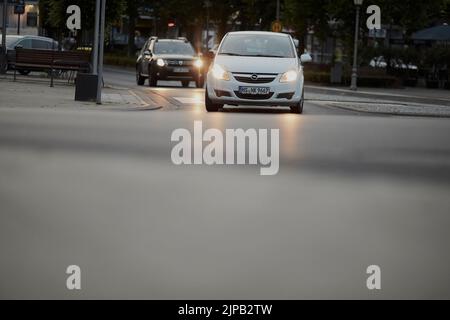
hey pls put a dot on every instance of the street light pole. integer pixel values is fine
(354, 84)
(96, 35)
(101, 52)
(278, 10)
(207, 5)
(3, 59)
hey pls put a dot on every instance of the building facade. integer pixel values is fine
(29, 21)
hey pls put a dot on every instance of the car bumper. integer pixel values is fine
(281, 94)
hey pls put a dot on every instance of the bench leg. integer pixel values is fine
(51, 76)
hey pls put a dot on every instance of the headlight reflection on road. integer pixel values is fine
(289, 125)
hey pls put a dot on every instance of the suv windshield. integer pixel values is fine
(173, 47)
(257, 45)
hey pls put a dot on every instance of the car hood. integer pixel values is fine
(256, 64)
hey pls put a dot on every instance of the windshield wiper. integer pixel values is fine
(266, 56)
(232, 54)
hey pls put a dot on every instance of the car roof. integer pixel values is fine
(171, 40)
(268, 33)
(27, 37)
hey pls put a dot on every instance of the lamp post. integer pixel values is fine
(101, 51)
(3, 58)
(208, 5)
(354, 85)
(278, 10)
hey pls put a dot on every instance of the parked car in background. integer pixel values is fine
(380, 62)
(26, 42)
(169, 59)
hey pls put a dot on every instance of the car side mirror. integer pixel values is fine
(147, 53)
(18, 46)
(305, 58)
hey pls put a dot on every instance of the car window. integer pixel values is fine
(25, 43)
(258, 45)
(173, 47)
(11, 41)
(41, 44)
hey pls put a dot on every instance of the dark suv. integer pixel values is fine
(169, 59)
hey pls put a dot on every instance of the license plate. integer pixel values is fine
(180, 70)
(254, 90)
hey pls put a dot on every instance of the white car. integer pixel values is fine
(256, 68)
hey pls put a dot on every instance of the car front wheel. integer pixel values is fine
(152, 79)
(200, 83)
(210, 106)
(140, 80)
(298, 108)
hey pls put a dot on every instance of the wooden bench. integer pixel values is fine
(34, 59)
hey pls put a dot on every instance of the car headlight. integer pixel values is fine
(198, 63)
(289, 76)
(220, 73)
(160, 62)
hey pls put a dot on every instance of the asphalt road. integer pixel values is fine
(98, 189)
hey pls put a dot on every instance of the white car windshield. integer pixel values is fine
(257, 45)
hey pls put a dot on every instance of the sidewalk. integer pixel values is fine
(417, 95)
(36, 93)
(406, 102)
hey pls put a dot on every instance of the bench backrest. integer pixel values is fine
(52, 58)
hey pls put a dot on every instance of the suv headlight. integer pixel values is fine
(289, 76)
(220, 73)
(198, 63)
(160, 62)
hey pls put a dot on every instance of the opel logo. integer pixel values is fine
(180, 63)
(254, 77)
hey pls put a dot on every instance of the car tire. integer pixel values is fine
(24, 72)
(185, 83)
(140, 80)
(298, 108)
(199, 83)
(210, 106)
(152, 79)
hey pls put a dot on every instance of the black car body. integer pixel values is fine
(169, 59)
(26, 42)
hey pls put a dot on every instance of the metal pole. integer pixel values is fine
(101, 51)
(354, 84)
(96, 35)
(3, 59)
(207, 28)
(208, 4)
(278, 10)
(5, 16)
(18, 24)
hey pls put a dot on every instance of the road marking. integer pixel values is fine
(119, 98)
(184, 100)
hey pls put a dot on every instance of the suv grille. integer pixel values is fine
(179, 63)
